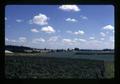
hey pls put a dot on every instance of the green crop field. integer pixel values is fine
(33, 66)
(109, 69)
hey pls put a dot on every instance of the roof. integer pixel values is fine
(7, 51)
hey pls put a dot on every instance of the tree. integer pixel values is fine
(45, 49)
(68, 49)
(76, 49)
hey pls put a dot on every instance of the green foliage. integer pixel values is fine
(109, 69)
(52, 68)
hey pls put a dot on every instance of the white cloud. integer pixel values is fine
(68, 41)
(10, 40)
(48, 29)
(108, 27)
(107, 32)
(14, 41)
(79, 32)
(38, 40)
(40, 19)
(22, 39)
(84, 17)
(5, 18)
(58, 31)
(82, 40)
(68, 31)
(6, 39)
(95, 41)
(53, 38)
(102, 34)
(34, 30)
(113, 31)
(102, 39)
(30, 22)
(71, 20)
(111, 38)
(91, 38)
(18, 20)
(76, 39)
(69, 8)
(94, 44)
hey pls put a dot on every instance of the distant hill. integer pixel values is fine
(17, 48)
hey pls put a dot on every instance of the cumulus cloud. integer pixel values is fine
(58, 31)
(71, 20)
(113, 31)
(107, 32)
(82, 40)
(10, 40)
(79, 32)
(102, 34)
(30, 22)
(38, 40)
(48, 29)
(69, 8)
(68, 31)
(5, 18)
(34, 30)
(53, 38)
(83, 17)
(108, 27)
(22, 39)
(40, 19)
(18, 20)
(111, 38)
(14, 41)
(102, 39)
(91, 38)
(67, 41)
(6, 39)
(94, 44)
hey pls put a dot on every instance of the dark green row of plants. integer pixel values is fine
(52, 68)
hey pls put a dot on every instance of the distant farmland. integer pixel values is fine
(77, 54)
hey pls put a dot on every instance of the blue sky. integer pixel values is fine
(60, 26)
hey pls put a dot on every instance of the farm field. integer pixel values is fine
(40, 67)
(109, 57)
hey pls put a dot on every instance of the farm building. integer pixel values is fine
(28, 51)
(7, 51)
(44, 50)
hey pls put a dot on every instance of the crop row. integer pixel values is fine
(52, 68)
